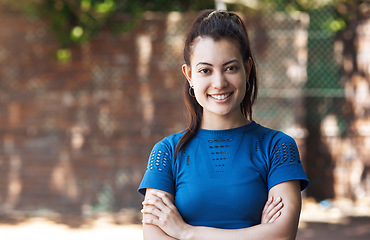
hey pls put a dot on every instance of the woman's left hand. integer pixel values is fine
(167, 217)
(272, 210)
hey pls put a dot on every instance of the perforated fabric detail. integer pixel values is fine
(286, 152)
(219, 150)
(158, 159)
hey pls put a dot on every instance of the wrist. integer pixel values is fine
(187, 233)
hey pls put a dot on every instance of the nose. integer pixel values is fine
(219, 81)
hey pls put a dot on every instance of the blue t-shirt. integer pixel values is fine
(222, 177)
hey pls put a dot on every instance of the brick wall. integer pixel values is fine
(75, 137)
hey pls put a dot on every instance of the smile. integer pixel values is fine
(220, 96)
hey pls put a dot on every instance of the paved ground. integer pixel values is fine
(341, 220)
(42, 229)
(354, 229)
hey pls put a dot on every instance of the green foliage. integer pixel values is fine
(78, 21)
(341, 11)
(63, 55)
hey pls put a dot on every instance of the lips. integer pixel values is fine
(220, 96)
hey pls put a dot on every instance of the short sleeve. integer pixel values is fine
(158, 174)
(285, 162)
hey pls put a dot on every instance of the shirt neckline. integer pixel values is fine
(218, 133)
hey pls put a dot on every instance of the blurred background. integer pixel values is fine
(87, 87)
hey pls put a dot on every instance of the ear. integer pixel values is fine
(186, 70)
(248, 66)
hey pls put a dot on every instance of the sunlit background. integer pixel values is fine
(87, 87)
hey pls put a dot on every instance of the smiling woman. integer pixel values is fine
(225, 177)
(218, 76)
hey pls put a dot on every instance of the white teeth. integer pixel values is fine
(221, 97)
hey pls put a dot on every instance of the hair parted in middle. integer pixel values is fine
(217, 24)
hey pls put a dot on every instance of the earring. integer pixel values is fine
(191, 91)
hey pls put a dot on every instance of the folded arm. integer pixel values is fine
(162, 220)
(150, 231)
(284, 227)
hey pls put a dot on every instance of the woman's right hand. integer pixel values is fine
(165, 215)
(271, 211)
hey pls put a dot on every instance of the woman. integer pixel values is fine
(226, 177)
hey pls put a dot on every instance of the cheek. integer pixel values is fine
(242, 95)
(199, 93)
(240, 83)
(199, 86)
(242, 90)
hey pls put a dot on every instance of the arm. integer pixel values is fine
(154, 232)
(284, 227)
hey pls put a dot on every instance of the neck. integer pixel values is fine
(223, 122)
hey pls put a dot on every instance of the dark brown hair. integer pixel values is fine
(217, 25)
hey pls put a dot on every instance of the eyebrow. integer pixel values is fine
(224, 64)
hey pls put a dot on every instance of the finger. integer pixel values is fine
(269, 201)
(271, 208)
(275, 217)
(273, 204)
(169, 208)
(272, 213)
(157, 202)
(151, 221)
(151, 210)
(164, 198)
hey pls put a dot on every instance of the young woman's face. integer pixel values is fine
(218, 75)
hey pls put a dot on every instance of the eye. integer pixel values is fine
(204, 71)
(232, 68)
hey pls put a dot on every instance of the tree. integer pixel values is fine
(79, 21)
